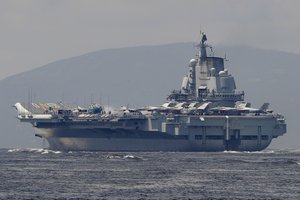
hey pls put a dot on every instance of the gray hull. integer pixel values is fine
(116, 144)
(134, 140)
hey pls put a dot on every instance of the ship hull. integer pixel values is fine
(148, 145)
(138, 140)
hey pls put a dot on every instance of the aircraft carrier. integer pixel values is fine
(206, 114)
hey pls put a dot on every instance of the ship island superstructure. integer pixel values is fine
(206, 114)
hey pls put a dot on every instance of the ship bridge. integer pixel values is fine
(208, 80)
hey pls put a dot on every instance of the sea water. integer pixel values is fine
(46, 174)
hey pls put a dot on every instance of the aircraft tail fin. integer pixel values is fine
(264, 107)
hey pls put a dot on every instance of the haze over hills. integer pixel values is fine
(139, 76)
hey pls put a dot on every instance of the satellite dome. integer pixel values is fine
(193, 62)
(226, 71)
(222, 73)
(213, 71)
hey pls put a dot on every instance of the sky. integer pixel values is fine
(37, 32)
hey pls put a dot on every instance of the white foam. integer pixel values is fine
(33, 150)
(114, 156)
(232, 152)
(131, 157)
(123, 157)
(252, 152)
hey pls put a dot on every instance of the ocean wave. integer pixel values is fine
(33, 150)
(250, 152)
(232, 151)
(123, 157)
(292, 150)
(286, 161)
